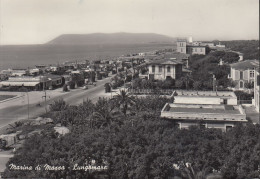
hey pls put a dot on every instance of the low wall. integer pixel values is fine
(203, 116)
(196, 100)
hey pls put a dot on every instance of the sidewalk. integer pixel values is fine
(34, 97)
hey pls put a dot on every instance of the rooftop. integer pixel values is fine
(179, 56)
(211, 112)
(214, 109)
(166, 62)
(218, 94)
(181, 40)
(256, 65)
(200, 46)
(247, 64)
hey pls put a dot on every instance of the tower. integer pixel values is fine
(181, 45)
(190, 39)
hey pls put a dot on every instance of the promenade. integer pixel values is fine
(17, 109)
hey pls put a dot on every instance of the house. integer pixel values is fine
(4, 74)
(34, 71)
(243, 74)
(164, 69)
(208, 109)
(256, 86)
(20, 72)
(209, 44)
(180, 56)
(191, 48)
(56, 80)
(41, 67)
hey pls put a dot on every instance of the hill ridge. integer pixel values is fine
(112, 38)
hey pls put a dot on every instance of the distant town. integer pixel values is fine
(203, 84)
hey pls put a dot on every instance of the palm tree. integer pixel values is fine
(103, 112)
(124, 100)
(190, 172)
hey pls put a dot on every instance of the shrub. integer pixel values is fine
(65, 88)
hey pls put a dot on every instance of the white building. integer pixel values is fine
(165, 68)
(243, 72)
(208, 109)
(256, 86)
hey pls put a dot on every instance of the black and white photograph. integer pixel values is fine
(129, 89)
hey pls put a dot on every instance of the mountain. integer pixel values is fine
(113, 38)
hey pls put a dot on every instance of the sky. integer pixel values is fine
(39, 21)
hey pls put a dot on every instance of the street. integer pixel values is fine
(17, 109)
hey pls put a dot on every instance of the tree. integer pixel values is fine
(197, 85)
(58, 105)
(103, 112)
(179, 83)
(65, 88)
(72, 85)
(107, 87)
(124, 100)
(249, 85)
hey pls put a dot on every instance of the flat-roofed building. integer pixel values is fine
(20, 72)
(31, 83)
(208, 109)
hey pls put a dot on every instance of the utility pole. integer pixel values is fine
(45, 96)
(214, 83)
(28, 104)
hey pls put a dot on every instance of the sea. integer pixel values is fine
(27, 56)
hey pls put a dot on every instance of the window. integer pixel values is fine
(241, 75)
(201, 50)
(252, 74)
(153, 68)
(225, 101)
(168, 69)
(228, 128)
(181, 49)
(241, 85)
(160, 68)
(195, 50)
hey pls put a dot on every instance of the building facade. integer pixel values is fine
(165, 69)
(256, 86)
(191, 48)
(243, 74)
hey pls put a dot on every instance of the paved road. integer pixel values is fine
(17, 112)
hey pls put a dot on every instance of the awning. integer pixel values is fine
(16, 83)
